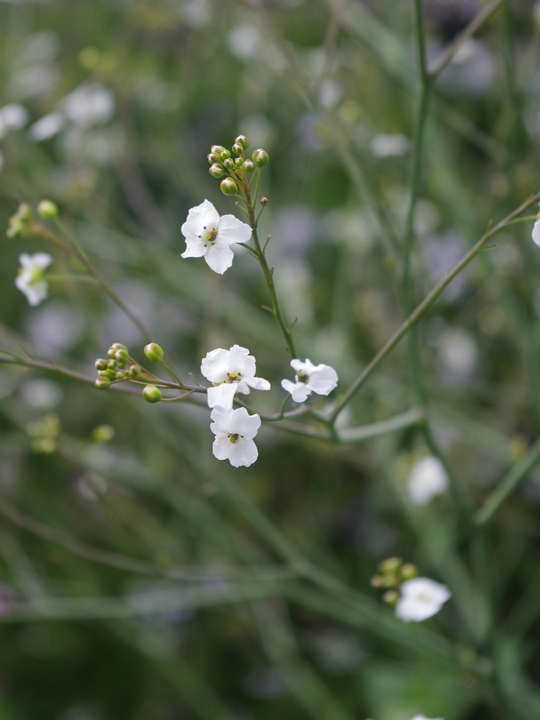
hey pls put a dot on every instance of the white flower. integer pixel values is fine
(47, 127)
(31, 278)
(231, 371)
(536, 233)
(88, 105)
(234, 431)
(209, 235)
(426, 480)
(12, 117)
(420, 599)
(320, 379)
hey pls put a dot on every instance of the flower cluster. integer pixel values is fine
(117, 366)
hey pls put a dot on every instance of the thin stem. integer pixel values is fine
(426, 303)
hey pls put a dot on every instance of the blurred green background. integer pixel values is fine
(329, 89)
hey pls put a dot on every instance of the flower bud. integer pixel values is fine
(134, 370)
(237, 149)
(390, 597)
(408, 571)
(260, 158)
(154, 352)
(264, 201)
(47, 209)
(110, 374)
(103, 433)
(239, 162)
(243, 141)
(101, 364)
(248, 166)
(217, 149)
(103, 383)
(224, 154)
(229, 164)
(216, 170)
(228, 186)
(213, 158)
(111, 364)
(121, 356)
(22, 222)
(152, 394)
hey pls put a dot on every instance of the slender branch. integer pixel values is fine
(426, 303)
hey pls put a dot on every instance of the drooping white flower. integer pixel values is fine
(234, 431)
(31, 278)
(426, 480)
(210, 236)
(320, 379)
(231, 371)
(421, 598)
(536, 233)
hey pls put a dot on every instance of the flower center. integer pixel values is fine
(36, 274)
(234, 437)
(209, 236)
(302, 377)
(233, 377)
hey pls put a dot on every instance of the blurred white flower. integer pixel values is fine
(196, 13)
(458, 352)
(421, 598)
(244, 41)
(234, 431)
(41, 394)
(426, 480)
(31, 278)
(536, 233)
(210, 236)
(423, 717)
(47, 127)
(88, 105)
(231, 371)
(320, 379)
(12, 117)
(382, 145)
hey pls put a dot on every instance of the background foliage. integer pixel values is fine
(217, 617)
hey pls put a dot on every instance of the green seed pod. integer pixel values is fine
(248, 166)
(260, 158)
(152, 394)
(229, 164)
(103, 383)
(237, 149)
(47, 209)
(228, 186)
(243, 141)
(213, 158)
(101, 364)
(216, 170)
(154, 352)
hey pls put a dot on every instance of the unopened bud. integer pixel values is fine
(103, 383)
(22, 222)
(248, 166)
(390, 565)
(121, 356)
(47, 209)
(154, 352)
(264, 201)
(101, 364)
(390, 597)
(134, 371)
(243, 141)
(260, 158)
(216, 170)
(224, 154)
(103, 433)
(152, 394)
(237, 149)
(377, 581)
(239, 162)
(408, 571)
(228, 186)
(229, 164)
(217, 149)
(213, 158)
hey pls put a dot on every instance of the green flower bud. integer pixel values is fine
(260, 158)
(390, 565)
(229, 164)
(134, 371)
(22, 222)
(239, 162)
(390, 597)
(243, 141)
(103, 433)
(111, 363)
(119, 346)
(121, 356)
(237, 149)
(224, 154)
(248, 166)
(103, 383)
(228, 186)
(109, 373)
(216, 170)
(154, 352)
(101, 364)
(408, 571)
(47, 209)
(213, 158)
(152, 394)
(217, 149)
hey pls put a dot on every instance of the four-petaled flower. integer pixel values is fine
(320, 379)
(231, 371)
(234, 431)
(536, 232)
(31, 278)
(426, 480)
(421, 598)
(209, 235)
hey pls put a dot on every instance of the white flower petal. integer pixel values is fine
(232, 230)
(222, 395)
(220, 447)
(240, 361)
(215, 365)
(299, 391)
(243, 453)
(200, 218)
(258, 383)
(536, 233)
(300, 366)
(322, 380)
(426, 480)
(219, 258)
(195, 247)
(421, 598)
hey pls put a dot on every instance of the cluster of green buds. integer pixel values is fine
(44, 433)
(233, 170)
(392, 572)
(117, 366)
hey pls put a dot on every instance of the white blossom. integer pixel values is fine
(210, 236)
(536, 232)
(12, 117)
(47, 127)
(31, 278)
(320, 379)
(426, 480)
(421, 598)
(89, 104)
(234, 431)
(231, 371)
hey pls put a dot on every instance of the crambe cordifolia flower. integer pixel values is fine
(210, 236)
(234, 431)
(31, 278)
(536, 232)
(421, 598)
(426, 480)
(320, 379)
(231, 371)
